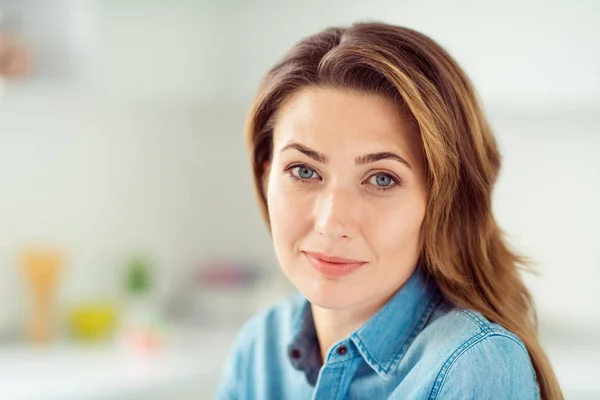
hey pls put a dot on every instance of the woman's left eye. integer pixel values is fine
(383, 181)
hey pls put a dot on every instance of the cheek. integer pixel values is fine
(288, 213)
(396, 228)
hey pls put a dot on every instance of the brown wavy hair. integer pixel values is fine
(464, 249)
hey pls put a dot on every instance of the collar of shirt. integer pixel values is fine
(382, 348)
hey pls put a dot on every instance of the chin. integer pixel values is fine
(327, 293)
(330, 303)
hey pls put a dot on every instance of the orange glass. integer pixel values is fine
(42, 269)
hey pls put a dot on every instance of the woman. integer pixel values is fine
(374, 168)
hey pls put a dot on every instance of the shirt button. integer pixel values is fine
(295, 354)
(342, 350)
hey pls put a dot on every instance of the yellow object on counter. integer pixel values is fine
(93, 321)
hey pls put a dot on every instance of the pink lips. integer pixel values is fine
(331, 265)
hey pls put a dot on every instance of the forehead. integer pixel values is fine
(325, 118)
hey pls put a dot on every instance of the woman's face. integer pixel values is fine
(346, 196)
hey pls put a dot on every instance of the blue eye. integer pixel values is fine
(383, 181)
(302, 172)
(305, 173)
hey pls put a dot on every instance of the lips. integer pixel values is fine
(333, 265)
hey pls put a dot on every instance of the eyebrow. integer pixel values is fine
(360, 160)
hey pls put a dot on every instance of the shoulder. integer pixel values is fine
(272, 322)
(480, 359)
(257, 347)
(269, 328)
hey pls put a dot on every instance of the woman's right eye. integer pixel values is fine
(302, 173)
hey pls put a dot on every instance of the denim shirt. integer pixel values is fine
(416, 347)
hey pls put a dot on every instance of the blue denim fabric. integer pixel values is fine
(416, 347)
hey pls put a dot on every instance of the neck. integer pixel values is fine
(334, 325)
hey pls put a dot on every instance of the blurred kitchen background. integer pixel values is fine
(131, 247)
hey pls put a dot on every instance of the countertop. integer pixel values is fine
(187, 367)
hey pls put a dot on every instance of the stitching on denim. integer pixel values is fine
(334, 394)
(514, 338)
(483, 325)
(439, 381)
(417, 329)
(443, 374)
(434, 302)
(490, 328)
(338, 362)
(359, 343)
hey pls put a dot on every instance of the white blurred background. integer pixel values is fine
(126, 140)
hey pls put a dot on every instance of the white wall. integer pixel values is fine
(547, 201)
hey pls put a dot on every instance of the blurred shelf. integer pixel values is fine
(188, 367)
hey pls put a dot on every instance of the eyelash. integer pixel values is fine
(396, 181)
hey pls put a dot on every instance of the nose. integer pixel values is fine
(335, 214)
